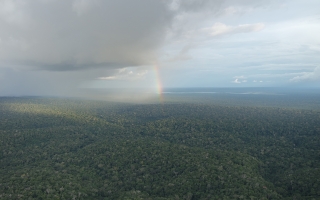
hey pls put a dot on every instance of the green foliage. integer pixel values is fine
(74, 149)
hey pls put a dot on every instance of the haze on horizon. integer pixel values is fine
(63, 48)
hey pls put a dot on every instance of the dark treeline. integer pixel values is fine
(74, 149)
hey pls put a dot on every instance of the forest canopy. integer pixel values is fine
(53, 148)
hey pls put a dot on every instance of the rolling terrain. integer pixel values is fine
(53, 148)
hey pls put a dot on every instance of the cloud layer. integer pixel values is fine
(68, 35)
(82, 34)
(50, 47)
(308, 76)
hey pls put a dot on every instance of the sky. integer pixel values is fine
(72, 47)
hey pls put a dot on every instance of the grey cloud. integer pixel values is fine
(194, 6)
(19, 81)
(183, 55)
(70, 65)
(82, 33)
(214, 5)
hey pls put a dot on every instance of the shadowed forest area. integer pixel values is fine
(188, 147)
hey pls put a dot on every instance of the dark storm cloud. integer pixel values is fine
(68, 35)
(80, 34)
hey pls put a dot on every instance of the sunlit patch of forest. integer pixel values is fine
(216, 148)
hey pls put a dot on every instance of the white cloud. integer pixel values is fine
(236, 81)
(240, 79)
(255, 81)
(219, 29)
(307, 76)
(126, 74)
(107, 78)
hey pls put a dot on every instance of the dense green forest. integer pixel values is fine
(54, 148)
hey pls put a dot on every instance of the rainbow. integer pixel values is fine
(158, 83)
